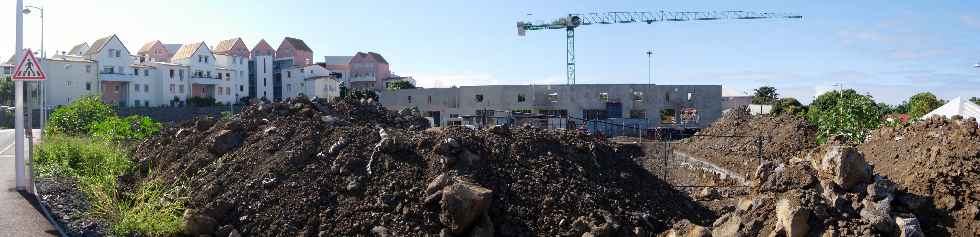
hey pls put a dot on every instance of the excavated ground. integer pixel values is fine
(936, 161)
(352, 168)
(786, 136)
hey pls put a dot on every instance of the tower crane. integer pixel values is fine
(573, 21)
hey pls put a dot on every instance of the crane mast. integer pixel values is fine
(572, 21)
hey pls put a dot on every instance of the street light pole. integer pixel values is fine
(650, 67)
(21, 179)
(42, 85)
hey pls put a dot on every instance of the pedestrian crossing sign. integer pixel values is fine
(28, 68)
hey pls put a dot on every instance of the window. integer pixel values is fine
(520, 98)
(264, 66)
(409, 99)
(180, 74)
(227, 90)
(555, 113)
(604, 96)
(289, 74)
(667, 116)
(69, 83)
(638, 113)
(227, 76)
(594, 114)
(478, 98)
(209, 75)
(146, 103)
(241, 88)
(117, 53)
(88, 86)
(171, 74)
(146, 72)
(430, 100)
(289, 87)
(206, 59)
(88, 68)
(690, 96)
(690, 115)
(667, 97)
(638, 96)
(172, 88)
(219, 76)
(108, 70)
(146, 87)
(553, 97)
(136, 71)
(112, 53)
(116, 89)
(181, 89)
(220, 90)
(137, 104)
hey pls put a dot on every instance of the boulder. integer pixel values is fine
(381, 231)
(793, 218)
(448, 147)
(196, 224)
(462, 204)
(685, 228)
(484, 228)
(438, 183)
(728, 225)
(225, 141)
(908, 227)
(877, 214)
(881, 188)
(845, 166)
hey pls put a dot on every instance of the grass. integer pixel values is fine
(154, 209)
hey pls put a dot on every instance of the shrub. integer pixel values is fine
(153, 210)
(201, 101)
(846, 115)
(130, 128)
(76, 118)
(62, 155)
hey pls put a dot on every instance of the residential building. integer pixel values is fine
(642, 105)
(311, 81)
(233, 55)
(362, 71)
(7, 68)
(260, 71)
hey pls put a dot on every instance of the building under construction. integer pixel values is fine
(639, 106)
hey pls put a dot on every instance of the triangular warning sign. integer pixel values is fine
(28, 68)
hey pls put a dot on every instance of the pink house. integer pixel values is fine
(154, 52)
(362, 71)
(233, 47)
(263, 49)
(295, 49)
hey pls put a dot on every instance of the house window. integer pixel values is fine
(172, 88)
(690, 115)
(553, 97)
(430, 100)
(69, 83)
(228, 76)
(117, 53)
(220, 90)
(637, 96)
(667, 97)
(136, 71)
(88, 86)
(171, 74)
(219, 75)
(289, 87)
(146, 103)
(108, 70)
(638, 113)
(264, 82)
(88, 68)
(289, 74)
(146, 72)
(520, 98)
(241, 88)
(667, 116)
(137, 104)
(116, 89)
(478, 98)
(206, 59)
(209, 75)
(690, 96)
(409, 99)
(180, 74)
(594, 114)
(146, 88)
(181, 89)
(227, 90)
(604, 96)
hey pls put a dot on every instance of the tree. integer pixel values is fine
(765, 95)
(975, 100)
(920, 104)
(846, 115)
(398, 85)
(788, 105)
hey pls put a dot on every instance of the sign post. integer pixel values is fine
(21, 183)
(28, 69)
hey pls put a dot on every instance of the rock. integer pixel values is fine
(438, 183)
(225, 141)
(877, 214)
(500, 129)
(729, 228)
(845, 166)
(381, 231)
(685, 228)
(908, 227)
(329, 119)
(947, 202)
(336, 147)
(196, 224)
(484, 228)
(462, 204)
(448, 147)
(707, 193)
(881, 188)
(793, 218)
(203, 124)
(234, 233)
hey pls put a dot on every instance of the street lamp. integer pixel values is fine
(44, 54)
(649, 67)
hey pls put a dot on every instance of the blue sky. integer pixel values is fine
(886, 48)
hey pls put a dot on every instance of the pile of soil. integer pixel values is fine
(937, 160)
(350, 167)
(785, 136)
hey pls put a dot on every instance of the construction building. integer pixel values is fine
(559, 106)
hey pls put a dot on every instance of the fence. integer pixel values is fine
(718, 167)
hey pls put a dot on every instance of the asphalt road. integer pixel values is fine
(17, 216)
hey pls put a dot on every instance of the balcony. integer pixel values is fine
(110, 76)
(203, 80)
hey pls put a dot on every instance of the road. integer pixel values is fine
(17, 216)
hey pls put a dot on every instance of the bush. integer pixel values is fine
(201, 101)
(62, 155)
(134, 127)
(76, 118)
(846, 115)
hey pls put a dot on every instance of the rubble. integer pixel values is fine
(351, 168)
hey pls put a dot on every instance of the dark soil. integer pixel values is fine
(270, 171)
(785, 137)
(938, 160)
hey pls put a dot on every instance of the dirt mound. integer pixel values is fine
(350, 168)
(938, 161)
(785, 135)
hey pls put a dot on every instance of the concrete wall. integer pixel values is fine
(263, 75)
(706, 99)
(68, 80)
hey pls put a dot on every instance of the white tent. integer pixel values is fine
(957, 106)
